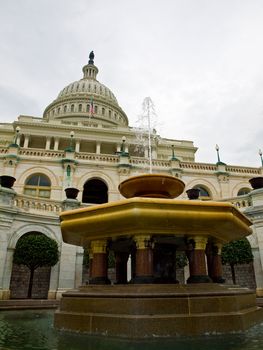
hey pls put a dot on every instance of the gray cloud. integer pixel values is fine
(200, 61)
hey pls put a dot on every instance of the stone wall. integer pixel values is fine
(245, 275)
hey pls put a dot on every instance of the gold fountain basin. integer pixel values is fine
(154, 216)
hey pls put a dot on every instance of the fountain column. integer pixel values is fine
(99, 266)
(144, 259)
(121, 259)
(197, 260)
(217, 271)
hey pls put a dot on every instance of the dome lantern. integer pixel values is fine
(90, 71)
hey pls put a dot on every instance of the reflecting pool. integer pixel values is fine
(33, 330)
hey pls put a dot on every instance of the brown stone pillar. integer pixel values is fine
(121, 259)
(217, 272)
(99, 266)
(144, 259)
(209, 258)
(197, 261)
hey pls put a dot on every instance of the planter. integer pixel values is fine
(7, 181)
(256, 182)
(193, 193)
(71, 192)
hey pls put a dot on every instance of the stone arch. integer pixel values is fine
(31, 228)
(205, 184)
(98, 175)
(20, 274)
(33, 170)
(239, 186)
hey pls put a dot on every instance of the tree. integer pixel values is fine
(35, 250)
(236, 252)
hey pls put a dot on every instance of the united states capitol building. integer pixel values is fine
(84, 141)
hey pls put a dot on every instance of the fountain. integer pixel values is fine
(146, 225)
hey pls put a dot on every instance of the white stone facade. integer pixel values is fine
(96, 150)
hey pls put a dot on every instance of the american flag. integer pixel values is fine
(91, 106)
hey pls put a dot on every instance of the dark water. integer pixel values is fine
(33, 330)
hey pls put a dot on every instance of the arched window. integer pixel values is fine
(87, 108)
(72, 108)
(95, 191)
(38, 185)
(204, 193)
(80, 107)
(65, 109)
(103, 111)
(96, 109)
(243, 191)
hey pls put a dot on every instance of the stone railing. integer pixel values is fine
(239, 201)
(243, 170)
(3, 150)
(97, 157)
(40, 204)
(198, 166)
(144, 162)
(41, 153)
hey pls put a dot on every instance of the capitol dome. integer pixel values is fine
(87, 99)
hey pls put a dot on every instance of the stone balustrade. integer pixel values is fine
(40, 204)
(241, 202)
(41, 153)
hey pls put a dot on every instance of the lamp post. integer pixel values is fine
(260, 154)
(71, 139)
(16, 135)
(217, 151)
(123, 139)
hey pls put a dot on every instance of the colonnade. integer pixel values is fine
(204, 260)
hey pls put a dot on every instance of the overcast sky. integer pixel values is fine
(200, 61)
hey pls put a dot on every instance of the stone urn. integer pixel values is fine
(193, 193)
(7, 181)
(71, 192)
(256, 182)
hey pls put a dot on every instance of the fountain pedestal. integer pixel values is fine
(140, 311)
(134, 226)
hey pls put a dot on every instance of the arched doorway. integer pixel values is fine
(95, 191)
(20, 280)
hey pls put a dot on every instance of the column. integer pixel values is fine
(48, 139)
(197, 261)
(217, 272)
(99, 270)
(98, 147)
(77, 146)
(121, 259)
(26, 142)
(144, 259)
(56, 144)
(18, 139)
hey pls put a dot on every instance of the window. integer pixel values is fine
(72, 108)
(110, 113)
(38, 185)
(65, 109)
(80, 108)
(87, 109)
(58, 110)
(243, 191)
(204, 193)
(96, 109)
(103, 111)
